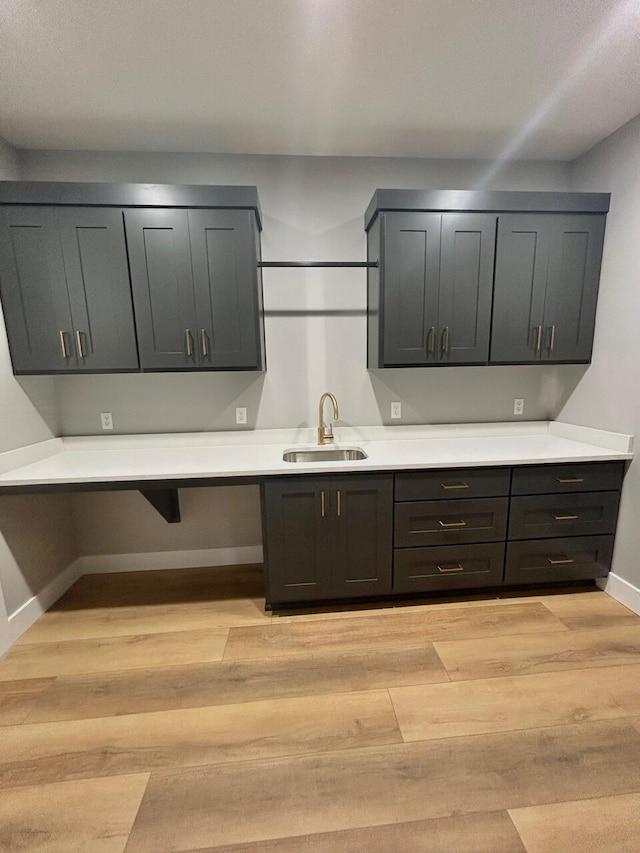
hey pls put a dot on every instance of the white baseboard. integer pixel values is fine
(153, 560)
(623, 591)
(31, 610)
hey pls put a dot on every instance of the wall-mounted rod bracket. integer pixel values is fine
(164, 501)
(335, 264)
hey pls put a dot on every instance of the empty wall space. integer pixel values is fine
(315, 331)
(608, 395)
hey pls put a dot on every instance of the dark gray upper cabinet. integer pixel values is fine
(546, 287)
(196, 289)
(65, 290)
(430, 299)
(160, 263)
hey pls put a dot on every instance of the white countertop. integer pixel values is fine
(258, 453)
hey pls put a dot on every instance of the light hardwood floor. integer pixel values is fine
(166, 712)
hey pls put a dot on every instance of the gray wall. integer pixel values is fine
(608, 396)
(315, 319)
(315, 327)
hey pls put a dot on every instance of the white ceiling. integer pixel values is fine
(428, 78)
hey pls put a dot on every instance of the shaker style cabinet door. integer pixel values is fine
(410, 275)
(34, 293)
(225, 276)
(297, 524)
(573, 277)
(466, 285)
(522, 258)
(362, 514)
(95, 260)
(160, 264)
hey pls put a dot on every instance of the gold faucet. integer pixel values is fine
(325, 433)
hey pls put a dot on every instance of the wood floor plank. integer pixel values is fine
(37, 660)
(396, 630)
(502, 704)
(489, 832)
(92, 816)
(498, 656)
(17, 698)
(61, 626)
(44, 752)
(580, 612)
(605, 825)
(255, 801)
(171, 688)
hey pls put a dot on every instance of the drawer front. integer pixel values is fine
(453, 484)
(556, 479)
(450, 522)
(449, 567)
(547, 560)
(550, 516)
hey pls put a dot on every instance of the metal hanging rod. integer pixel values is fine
(350, 264)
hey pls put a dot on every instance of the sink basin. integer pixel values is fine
(325, 454)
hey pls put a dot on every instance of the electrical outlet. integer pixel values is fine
(106, 419)
(518, 406)
(241, 415)
(396, 410)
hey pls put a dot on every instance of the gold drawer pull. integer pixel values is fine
(566, 517)
(452, 523)
(559, 561)
(454, 485)
(565, 480)
(454, 567)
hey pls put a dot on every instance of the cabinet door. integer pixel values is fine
(95, 259)
(362, 548)
(522, 256)
(466, 285)
(572, 286)
(160, 263)
(225, 278)
(297, 526)
(34, 291)
(410, 273)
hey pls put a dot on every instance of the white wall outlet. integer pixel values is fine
(518, 406)
(106, 419)
(241, 415)
(396, 410)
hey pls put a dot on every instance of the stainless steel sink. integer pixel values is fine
(325, 454)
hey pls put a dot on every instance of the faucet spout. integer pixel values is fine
(325, 433)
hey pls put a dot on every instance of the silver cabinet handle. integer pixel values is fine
(454, 567)
(431, 341)
(537, 331)
(189, 342)
(204, 343)
(559, 561)
(552, 337)
(445, 340)
(80, 344)
(63, 344)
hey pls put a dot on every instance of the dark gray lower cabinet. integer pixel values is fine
(549, 560)
(327, 537)
(448, 567)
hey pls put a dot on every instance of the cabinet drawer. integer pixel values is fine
(547, 516)
(449, 567)
(542, 561)
(450, 522)
(452, 484)
(556, 479)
